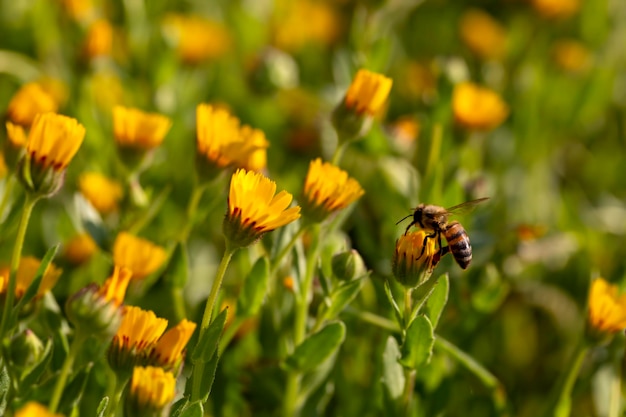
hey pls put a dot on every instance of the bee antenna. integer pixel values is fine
(403, 219)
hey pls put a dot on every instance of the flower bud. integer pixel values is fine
(414, 259)
(93, 314)
(348, 266)
(25, 349)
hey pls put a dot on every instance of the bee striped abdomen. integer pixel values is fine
(459, 244)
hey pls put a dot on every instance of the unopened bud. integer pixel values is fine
(348, 266)
(91, 313)
(25, 349)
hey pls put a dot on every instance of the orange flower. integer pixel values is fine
(28, 102)
(477, 107)
(139, 255)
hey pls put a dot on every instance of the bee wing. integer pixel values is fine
(466, 207)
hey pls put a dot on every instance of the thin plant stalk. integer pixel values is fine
(120, 384)
(6, 195)
(77, 343)
(409, 374)
(560, 405)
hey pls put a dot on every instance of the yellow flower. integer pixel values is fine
(414, 259)
(478, 108)
(368, 92)
(33, 409)
(303, 21)
(99, 40)
(16, 135)
(26, 273)
(571, 56)
(607, 308)
(169, 349)
(222, 142)
(80, 248)
(556, 9)
(151, 391)
(482, 34)
(101, 192)
(4, 170)
(139, 255)
(196, 39)
(254, 209)
(79, 10)
(136, 129)
(328, 189)
(114, 288)
(29, 101)
(53, 140)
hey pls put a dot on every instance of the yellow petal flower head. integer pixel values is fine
(300, 22)
(139, 255)
(414, 259)
(33, 409)
(26, 273)
(607, 309)
(327, 189)
(222, 142)
(478, 108)
(80, 249)
(114, 288)
(151, 391)
(571, 56)
(196, 39)
(556, 9)
(16, 135)
(482, 34)
(101, 192)
(99, 40)
(168, 351)
(79, 10)
(368, 92)
(254, 208)
(135, 338)
(29, 101)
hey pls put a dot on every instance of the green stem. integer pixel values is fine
(206, 318)
(409, 374)
(178, 304)
(339, 151)
(303, 298)
(120, 383)
(65, 372)
(376, 320)
(486, 377)
(192, 208)
(435, 149)
(561, 406)
(8, 187)
(29, 203)
(286, 249)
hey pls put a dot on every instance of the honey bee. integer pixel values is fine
(434, 219)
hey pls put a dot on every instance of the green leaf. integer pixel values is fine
(74, 390)
(418, 343)
(177, 271)
(209, 339)
(102, 407)
(5, 383)
(438, 299)
(342, 296)
(394, 305)
(393, 373)
(317, 347)
(254, 289)
(33, 374)
(192, 410)
(179, 406)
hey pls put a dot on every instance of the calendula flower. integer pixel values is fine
(196, 39)
(151, 392)
(478, 108)
(222, 142)
(4, 170)
(29, 101)
(102, 193)
(79, 10)
(95, 310)
(33, 409)
(571, 56)
(556, 9)
(482, 34)
(414, 259)
(254, 209)
(327, 189)
(607, 309)
(137, 132)
(16, 135)
(99, 40)
(80, 248)
(26, 273)
(300, 22)
(139, 255)
(137, 334)
(168, 351)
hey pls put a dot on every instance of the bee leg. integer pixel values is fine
(444, 251)
(426, 241)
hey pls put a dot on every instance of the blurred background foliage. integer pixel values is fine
(554, 170)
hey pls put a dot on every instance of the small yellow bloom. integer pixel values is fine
(478, 108)
(303, 21)
(29, 101)
(139, 255)
(33, 409)
(196, 39)
(556, 9)
(79, 10)
(16, 135)
(101, 192)
(607, 308)
(571, 56)
(80, 249)
(136, 129)
(53, 140)
(4, 170)
(254, 209)
(328, 189)
(26, 273)
(484, 35)
(414, 259)
(99, 40)
(168, 351)
(222, 142)
(114, 288)
(368, 92)
(151, 390)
